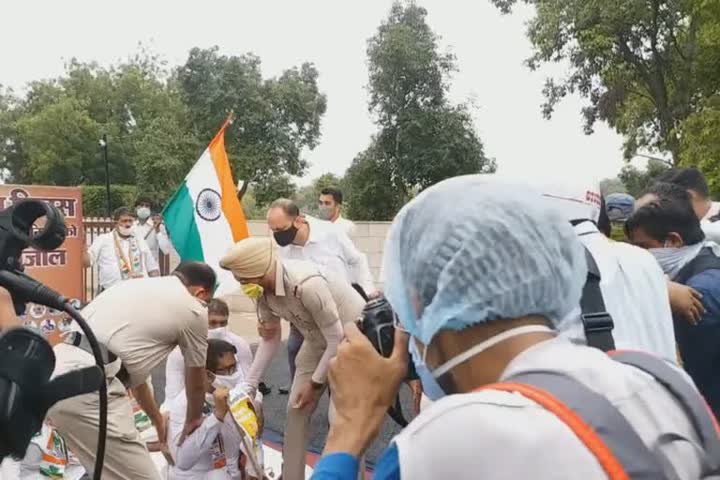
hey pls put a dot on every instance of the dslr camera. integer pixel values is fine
(26, 359)
(378, 325)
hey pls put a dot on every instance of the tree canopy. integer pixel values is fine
(644, 66)
(158, 121)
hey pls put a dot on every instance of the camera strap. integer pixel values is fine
(597, 322)
(79, 340)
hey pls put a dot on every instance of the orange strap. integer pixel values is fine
(580, 428)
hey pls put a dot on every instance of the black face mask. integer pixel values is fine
(286, 237)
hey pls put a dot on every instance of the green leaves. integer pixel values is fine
(422, 137)
(642, 65)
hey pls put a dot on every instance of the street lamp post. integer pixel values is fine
(104, 145)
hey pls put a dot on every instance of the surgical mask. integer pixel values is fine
(252, 290)
(218, 333)
(432, 388)
(325, 212)
(286, 237)
(124, 231)
(228, 381)
(143, 213)
(672, 260)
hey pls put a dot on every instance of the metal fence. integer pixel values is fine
(95, 226)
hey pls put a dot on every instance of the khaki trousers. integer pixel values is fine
(297, 429)
(77, 420)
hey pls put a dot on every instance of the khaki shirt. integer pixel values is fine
(143, 320)
(309, 300)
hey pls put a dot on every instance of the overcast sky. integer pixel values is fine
(38, 37)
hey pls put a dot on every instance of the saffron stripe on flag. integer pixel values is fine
(230, 204)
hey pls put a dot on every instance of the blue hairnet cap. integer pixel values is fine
(471, 250)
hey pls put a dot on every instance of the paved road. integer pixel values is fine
(275, 406)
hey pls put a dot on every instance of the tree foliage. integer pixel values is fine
(643, 65)
(274, 119)
(158, 122)
(637, 181)
(701, 142)
(370, 191)
(423, 138)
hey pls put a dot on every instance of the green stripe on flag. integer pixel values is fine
(179, 217)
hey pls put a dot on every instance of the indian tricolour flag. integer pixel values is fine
(204, 217)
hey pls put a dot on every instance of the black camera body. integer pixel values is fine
(378, 325)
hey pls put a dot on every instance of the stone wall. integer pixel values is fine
(369, 237)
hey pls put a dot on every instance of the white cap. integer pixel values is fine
(575, 202)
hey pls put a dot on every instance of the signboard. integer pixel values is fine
(60, 269)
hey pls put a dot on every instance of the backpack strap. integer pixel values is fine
(593, 419)
(696, 408)
(705, 260)
(597, 322)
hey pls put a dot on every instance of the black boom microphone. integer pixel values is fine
(26, 359)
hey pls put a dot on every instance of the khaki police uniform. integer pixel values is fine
(141, 321)
(309, 301)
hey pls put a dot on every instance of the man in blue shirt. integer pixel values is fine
(667, 226)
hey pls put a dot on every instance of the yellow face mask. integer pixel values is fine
(252, 290)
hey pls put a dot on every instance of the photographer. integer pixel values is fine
(480, 290)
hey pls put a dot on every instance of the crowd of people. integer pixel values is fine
(544, 348)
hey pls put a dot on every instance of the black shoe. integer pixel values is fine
(284, 390)
(264, 389)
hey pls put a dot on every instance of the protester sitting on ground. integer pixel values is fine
(692, 180)
(212, 451)
(218, 313)
(481, 291)
(665, 224)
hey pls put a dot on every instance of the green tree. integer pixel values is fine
(642, 65)
(701, 142)
(638, 181)
(274, 119)
(370, 192)
(278, 186)
(307, 196)
(422, 137)
(12, 164)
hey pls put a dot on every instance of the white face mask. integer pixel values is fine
(143, 213)
(125, 231)
(672, 260)
(218, 333)
(228, 381)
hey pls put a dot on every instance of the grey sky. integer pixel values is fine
(39, 36)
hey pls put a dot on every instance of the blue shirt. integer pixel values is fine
(343, 466)
(700, 345)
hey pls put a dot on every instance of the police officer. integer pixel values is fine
(140, 322)
(318, 306)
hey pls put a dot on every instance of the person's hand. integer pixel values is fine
(364, 385)
(417, 391)
(8, 318)
(267, 330)
(189, 428)
(221, 402)
(307, 398)
(686, 302)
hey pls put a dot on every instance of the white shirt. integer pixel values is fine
(103, 255)
(496, 435)
(157, 241)
(194, 459)
(635, 292)
(345, 225)
(331, 249)
(175, 366)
